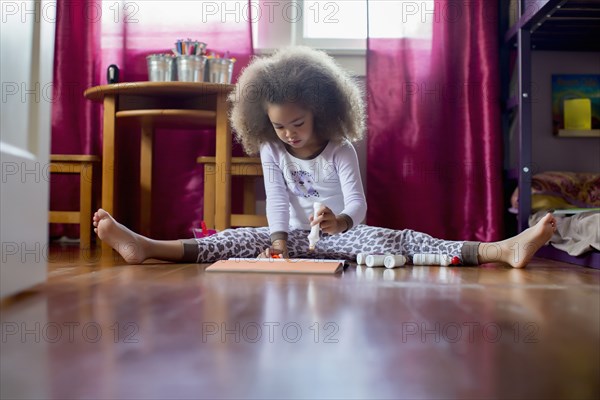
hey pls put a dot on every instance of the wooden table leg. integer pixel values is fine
(146, 176)
(108, 156)
(223, 165)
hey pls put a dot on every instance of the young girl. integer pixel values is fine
(300, 111)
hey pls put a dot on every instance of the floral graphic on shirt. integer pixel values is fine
(302, 184)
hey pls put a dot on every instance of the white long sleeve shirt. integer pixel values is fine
(292, 185)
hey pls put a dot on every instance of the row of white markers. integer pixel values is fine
(392, 261)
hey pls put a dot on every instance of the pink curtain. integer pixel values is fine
(434, 143)
(96, 35)
(76, 122)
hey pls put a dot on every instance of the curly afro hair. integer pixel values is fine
(301, 75)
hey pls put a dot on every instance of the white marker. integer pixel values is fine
(432, 259)
(394, 261)
(314, 235)
(375, 260)
(360, 258)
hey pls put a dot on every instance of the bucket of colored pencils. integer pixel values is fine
(190, 68)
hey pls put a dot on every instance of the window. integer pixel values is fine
(341, 24)
(406, 19)
(334, 24)
(325, 24)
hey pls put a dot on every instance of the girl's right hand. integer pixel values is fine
(278, 247)
(328, 221)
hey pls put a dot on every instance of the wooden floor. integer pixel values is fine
(101, 329)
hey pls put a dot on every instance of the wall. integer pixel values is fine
(559, 153)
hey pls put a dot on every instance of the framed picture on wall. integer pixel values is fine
(576, 105)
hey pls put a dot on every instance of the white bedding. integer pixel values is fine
(575, 234)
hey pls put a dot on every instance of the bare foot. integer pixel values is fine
(127, 243)
(518, 250)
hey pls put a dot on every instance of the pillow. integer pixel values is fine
(547, 202)
(579, 189)
(560, 190)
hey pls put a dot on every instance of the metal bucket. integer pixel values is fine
(160, 68)
(190, 68)
(220, 70)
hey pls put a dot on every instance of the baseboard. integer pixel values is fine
(590, 259)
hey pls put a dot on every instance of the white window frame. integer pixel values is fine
(274, 31)
(337, 45)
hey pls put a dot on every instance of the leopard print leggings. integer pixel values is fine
(250, 242)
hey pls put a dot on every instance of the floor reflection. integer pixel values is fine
(164, 330)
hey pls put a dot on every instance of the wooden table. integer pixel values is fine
(176, 104)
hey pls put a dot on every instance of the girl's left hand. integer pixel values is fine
(278, 247)
(330, 223)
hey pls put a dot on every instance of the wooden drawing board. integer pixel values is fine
(274, 265)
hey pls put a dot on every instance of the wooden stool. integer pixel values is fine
(249, 168)
(84, 166)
